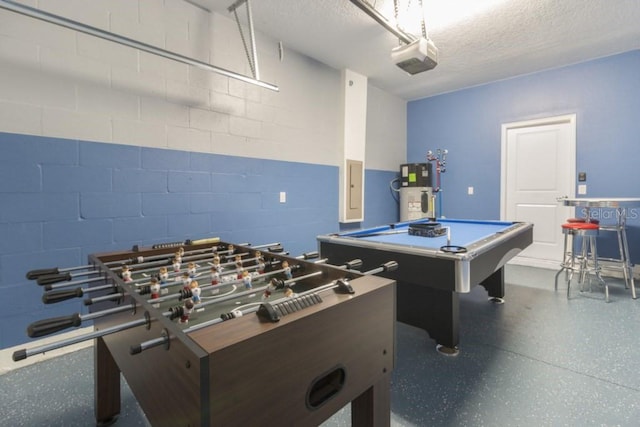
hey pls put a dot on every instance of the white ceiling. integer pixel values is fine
(509, 38)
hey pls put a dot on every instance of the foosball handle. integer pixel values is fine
(19, 355)
(344, 287)
(34, 274)
(55, 324)
(62, 295)
(267, 313)
(390, 266)
(387, 266)
(310, 255)
(354, 264)
(53, 278)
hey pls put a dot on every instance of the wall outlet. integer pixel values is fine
(283, 197)
(470, 191)
(582, 189)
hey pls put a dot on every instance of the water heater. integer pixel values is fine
(416, 192)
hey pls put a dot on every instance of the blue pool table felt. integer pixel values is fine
(463, 233)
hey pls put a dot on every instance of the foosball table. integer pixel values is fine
(209, 333)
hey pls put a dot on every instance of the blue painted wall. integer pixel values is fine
(64, 199)
(605, 96)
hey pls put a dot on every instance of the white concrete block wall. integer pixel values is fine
(20, 118)
(58, 82)
(76, 125)
(386, 130)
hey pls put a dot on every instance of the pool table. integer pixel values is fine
(433, 271)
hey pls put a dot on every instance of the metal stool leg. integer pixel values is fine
(626, 267)
(596, 267)
(563, 264)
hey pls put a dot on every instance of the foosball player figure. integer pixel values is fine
(126, 273)
(288, 292)
(216, 263)
(154, 287)
(163, 276)
(187, 308)
(260, 262)
(246, 279)
(178, 254)
(176, 265)
(230, 250)
(215, 275)
(286, 270)
(186, 280)
(191, 269)
(239, 268)
(195, 292)
(271, 288)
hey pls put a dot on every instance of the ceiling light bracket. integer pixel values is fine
(251, 50)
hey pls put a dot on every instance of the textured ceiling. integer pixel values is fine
(508, 38)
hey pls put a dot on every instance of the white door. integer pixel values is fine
(538, 167)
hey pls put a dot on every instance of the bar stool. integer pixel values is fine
(622, 263)
(586, 259)
(568, 254)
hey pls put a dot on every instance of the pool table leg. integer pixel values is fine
(494, 284)
(434, 310)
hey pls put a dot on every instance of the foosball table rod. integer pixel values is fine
(55, 296)
(49, 283)
(49, 326)
(34, 274)
(309, 255)
(24, 353)
(198, 269)
(254, 307)
(181, 294)
(269, 313)
(56, 274)
(52, 325)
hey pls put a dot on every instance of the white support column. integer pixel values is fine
(354, 126)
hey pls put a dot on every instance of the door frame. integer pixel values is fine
(563, 119)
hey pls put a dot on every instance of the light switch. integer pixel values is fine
(582, 189)
(283, 197)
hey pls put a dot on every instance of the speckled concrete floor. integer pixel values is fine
(537, 360)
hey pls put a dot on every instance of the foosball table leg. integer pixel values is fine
(107, 385)
(373, 407)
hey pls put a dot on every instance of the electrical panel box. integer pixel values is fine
(354, 190)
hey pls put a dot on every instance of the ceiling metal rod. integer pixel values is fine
(382, 20)
(252, 36)
(253, 55)
(106, 35)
